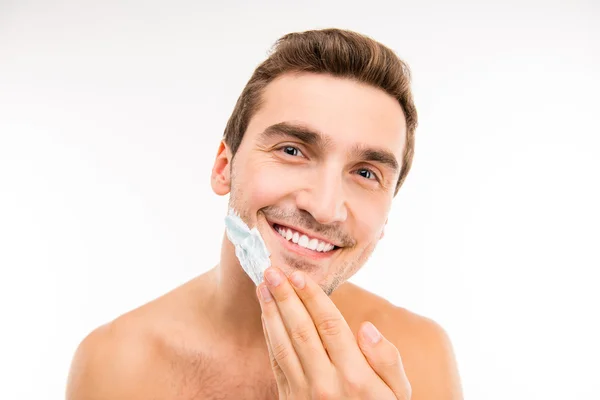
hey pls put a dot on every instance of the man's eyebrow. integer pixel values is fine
(311, 136)
(382, 156)
(297, 131)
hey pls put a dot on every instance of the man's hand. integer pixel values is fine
(313, 352)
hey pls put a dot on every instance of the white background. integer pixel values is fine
(111, 114)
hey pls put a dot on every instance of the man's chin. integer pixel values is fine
(290, 264)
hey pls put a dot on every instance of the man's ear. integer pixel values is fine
(383, 229)
(220, 178)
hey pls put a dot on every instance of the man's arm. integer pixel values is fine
(110, 363)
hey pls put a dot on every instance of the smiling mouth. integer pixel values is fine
(303, 240)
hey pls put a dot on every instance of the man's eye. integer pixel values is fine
(367, 173)
(292, 151)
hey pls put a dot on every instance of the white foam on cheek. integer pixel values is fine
(250, 249)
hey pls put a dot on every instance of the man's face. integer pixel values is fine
(316, 173)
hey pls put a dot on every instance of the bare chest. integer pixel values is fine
(222, 378)
(234, 386)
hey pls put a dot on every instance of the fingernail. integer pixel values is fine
(371, 333)
(273, 277)
(265, 294)
(297, 280)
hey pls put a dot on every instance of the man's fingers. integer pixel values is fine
(336, 335)
(280, 347)
(277, 371)
(385, 360)
(300, 327)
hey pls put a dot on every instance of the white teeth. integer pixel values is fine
(303, 241)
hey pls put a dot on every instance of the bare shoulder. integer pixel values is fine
(131, 357)
(114, 362)
(424, 345)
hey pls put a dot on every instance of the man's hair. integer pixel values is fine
(338, 53)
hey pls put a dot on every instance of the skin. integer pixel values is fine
(319, 156)
(313, 351)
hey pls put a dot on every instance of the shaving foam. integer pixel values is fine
(250, 248)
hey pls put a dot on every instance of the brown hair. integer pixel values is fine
(338, 53)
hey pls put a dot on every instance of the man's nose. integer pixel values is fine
(324, 198)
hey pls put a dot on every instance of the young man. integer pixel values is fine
(319, 143)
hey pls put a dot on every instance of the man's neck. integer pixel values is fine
(234, 308)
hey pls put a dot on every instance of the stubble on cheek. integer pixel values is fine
(348, 269)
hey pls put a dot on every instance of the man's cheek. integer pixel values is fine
(271, 184)
(371, 224)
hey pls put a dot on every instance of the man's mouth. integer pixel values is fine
(303, 240)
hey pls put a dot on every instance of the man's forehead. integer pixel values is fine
(345, 112)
